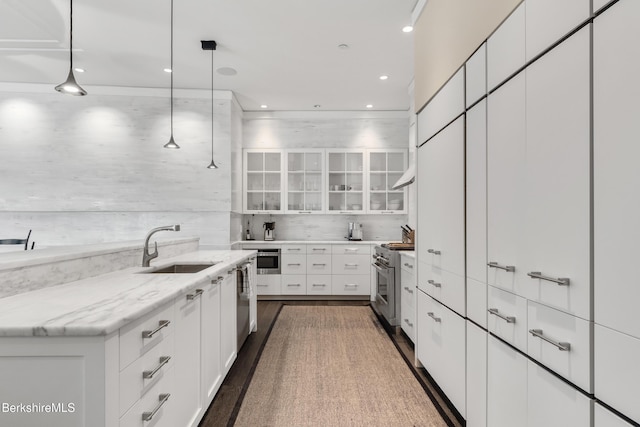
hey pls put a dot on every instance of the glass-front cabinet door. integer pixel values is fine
(305, 181)
(385, 168)
(263, 181)
(346, 181)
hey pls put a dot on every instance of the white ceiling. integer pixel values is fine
(285, 51)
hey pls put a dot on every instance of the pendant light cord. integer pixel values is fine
(71, 35)
(172, 68)
(212, 105)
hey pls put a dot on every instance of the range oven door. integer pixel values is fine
(385, 292)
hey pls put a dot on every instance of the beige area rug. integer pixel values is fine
(333, 366)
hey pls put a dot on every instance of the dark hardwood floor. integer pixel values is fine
(224, 408)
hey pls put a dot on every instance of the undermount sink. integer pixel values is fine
(181, 268)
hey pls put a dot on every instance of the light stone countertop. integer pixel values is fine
(309, 242)
(103, 304)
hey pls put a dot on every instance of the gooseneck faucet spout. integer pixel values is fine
(146, 256)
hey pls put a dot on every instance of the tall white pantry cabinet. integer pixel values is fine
(527, 173)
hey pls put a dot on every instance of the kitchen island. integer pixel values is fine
(125, 348)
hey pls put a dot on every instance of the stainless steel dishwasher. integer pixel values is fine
(243, 277)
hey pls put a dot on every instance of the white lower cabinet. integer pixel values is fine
(350, 284)
(441, 348)
(408, 296)
(268, 284)
(161, 396)
(319, 284)
(228, 336)
(444, 286)
(293, 284)
(211, 330)
(605, 418)
(506, 386)
(508, 317)
(187, 398)
(476, 376)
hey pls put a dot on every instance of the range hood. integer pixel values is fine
(407, 178)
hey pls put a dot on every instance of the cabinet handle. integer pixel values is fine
(436, 284)
(293, 249)
(433, 251)
(351, 265)
(350, 285)
(509, 268)
(161, 324)
(319, 249)
(263, 286)
(293, 284)
(406, 288)
(386, 212)
(562, 281)
(351, 250)
(147, 416)
(408, 323)
(304, 212)
(345, 212)
(163, 361)
(562, 346)
(406, 264)
(294, 264)
(319, 264)
(319, 284)
(433, 316)
(194, 295)
(508, 319)
(216, 280)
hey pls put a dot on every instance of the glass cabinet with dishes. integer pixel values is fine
(304, 181)
(346, 181)
(386, 166)
(263, 181)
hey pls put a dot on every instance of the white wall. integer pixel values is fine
(93, 169)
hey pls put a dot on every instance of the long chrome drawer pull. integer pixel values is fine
(147, 416)
(508, 319)
(263, 286)
(163, 361)
(319, 249)
(433, 316)
(351, 265)
(406, 264)
(351, 250)
(319, 264)
(293, 249)
(509, 268)
(319, 284)
(433, 251)
(216, 280)
(294, 264)
(194, 295)
(436, 284)
(406, 288)
(563, 281)
(293, 284)
(352, 285)
(562, 346)
(408, 323)
(161, 324)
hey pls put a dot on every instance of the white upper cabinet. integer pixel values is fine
(385, 168)
(616, 57)
(263, 182)
(305, 181)
(506, 48)
(476, 75)
(549, 20)
(346, 181)
(505, 182)
(557, 185)
(445, 106)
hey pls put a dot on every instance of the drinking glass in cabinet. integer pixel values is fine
(272, 162)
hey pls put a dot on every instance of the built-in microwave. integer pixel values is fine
(268, 261)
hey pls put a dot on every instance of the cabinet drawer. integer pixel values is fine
(319, 264)
(293, 284)
(133, 385)
(616, 370)
(132, 343)
(446, 287)
(165, 416)
(408, 264)
(407, 315)
(318, 249)
(507, 394)
(508, 317)
(477, 302)
(268, 284)
(443, 347)
(605, 418)
(352, 264)
(294, 249)
(566, 346)
(408, 291)
(351, 249)
(350, 284)
(294, 264)
(552, 402)
(319, 284)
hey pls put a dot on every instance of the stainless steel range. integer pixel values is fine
(387, 301)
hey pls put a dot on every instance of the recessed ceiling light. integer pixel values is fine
(369, 106)
(343, 46)
(167, 70)
(227, 71)
(79, 70)
(264, 106)
(407, 29)
(384, 77)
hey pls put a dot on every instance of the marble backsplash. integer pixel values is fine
(19, 276)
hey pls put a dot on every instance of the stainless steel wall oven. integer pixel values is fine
(268, 261)
(387, 300)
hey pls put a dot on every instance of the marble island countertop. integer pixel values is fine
(102, 304)
(309, 242)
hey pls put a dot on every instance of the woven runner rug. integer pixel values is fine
(333, 366)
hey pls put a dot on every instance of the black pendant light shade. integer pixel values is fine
(70, 86)
(211, 45)
(172, 143)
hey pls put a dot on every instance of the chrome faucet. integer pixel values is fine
(146, 256)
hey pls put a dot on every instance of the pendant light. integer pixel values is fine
(172, 142)
(70, 86)
(211, 45)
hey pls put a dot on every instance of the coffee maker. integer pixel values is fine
(269, 233)
(354, 231)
